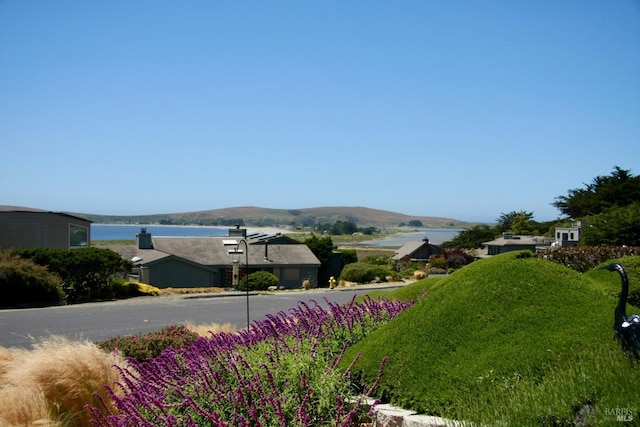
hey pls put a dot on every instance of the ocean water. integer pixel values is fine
(436, 236)
(128, 232)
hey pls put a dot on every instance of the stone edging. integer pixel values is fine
(385, 415)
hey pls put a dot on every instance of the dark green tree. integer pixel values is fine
(369, 230)
(472, 238)
(515, 222)
(349, 256)
(615, 226)
(620, 189)
(322, 248)
(343, 227)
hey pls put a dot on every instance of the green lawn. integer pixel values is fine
(510, 340)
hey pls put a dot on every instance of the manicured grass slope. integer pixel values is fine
(497, 331)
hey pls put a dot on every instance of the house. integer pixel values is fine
(22, 228)
(210, 262)
(419, 251)
(511, 242)
(568, 236)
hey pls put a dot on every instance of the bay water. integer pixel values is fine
(128, 232)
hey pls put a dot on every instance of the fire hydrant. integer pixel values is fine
(332, 282)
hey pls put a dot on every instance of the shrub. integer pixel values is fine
(349, 256)
(457, 258)
(145, 346)
(361, 272)
(86, 273)
(258, 281)
(584, 258)
(437, 261)
(406, 269)
(419, 274)
(377, 260)
(125, 289)
(23, 282)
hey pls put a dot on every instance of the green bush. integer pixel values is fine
(405, 269)
(24, 282)
(377, 260)
(258, 281)
(145, 346)
(437, 261)
(361, 272)
(86, 273)
(349, 256)
(584, 258)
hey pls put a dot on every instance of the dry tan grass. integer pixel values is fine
(208, 330)
(419, 274)
(185, 291)
(51, 384)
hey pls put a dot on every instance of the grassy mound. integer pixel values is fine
(511, 339)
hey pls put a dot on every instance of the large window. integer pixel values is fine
(78, 236)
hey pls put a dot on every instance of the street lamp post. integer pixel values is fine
(237, 250)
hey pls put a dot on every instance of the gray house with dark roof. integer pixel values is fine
(207, 262)
(22, 227)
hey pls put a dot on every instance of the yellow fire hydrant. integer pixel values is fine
(332, 282)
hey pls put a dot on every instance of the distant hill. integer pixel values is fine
(266, 217)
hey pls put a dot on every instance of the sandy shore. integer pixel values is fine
(268, 230)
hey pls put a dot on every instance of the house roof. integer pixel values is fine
(409, 248)
(519, 240)
(7, 208)
(211, 251)
(131, 251)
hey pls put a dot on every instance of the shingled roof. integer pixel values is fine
(211, 251)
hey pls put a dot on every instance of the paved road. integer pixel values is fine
(99, 321)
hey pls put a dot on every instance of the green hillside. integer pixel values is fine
(266, 217)
(513, 339)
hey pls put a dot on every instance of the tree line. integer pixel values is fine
(608, 209)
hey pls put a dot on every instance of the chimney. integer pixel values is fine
(144, 239)
(238, 232)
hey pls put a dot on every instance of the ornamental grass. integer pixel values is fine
(51, 384)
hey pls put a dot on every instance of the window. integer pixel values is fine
(78, 236)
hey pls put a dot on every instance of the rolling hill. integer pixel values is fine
(267, 217)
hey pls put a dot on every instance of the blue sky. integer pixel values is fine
(459, 109)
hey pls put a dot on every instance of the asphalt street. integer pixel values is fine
(101, 320)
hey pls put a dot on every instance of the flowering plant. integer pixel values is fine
(280, 372)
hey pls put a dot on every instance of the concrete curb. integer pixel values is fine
(292, 291)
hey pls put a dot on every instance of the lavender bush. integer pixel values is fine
(280, 372)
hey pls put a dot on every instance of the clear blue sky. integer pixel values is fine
(459, 109)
